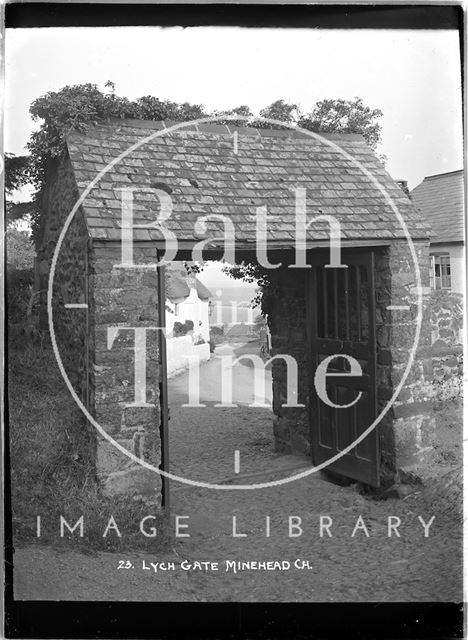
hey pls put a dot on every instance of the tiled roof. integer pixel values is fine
(440, 199)
(208, 171)
(177, 287)
(203, 292)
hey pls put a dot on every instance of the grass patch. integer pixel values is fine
(52, 471)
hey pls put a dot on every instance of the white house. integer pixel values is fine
(187, 301)
(441, 200)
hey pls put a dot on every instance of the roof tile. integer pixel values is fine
(205, 175)
(440, 199)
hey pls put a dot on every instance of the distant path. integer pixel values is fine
(210, 378)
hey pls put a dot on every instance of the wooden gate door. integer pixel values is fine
(341, 320)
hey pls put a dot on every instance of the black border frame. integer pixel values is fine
(162, 621)
(292, 15)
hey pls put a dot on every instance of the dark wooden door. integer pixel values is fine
(341, 320)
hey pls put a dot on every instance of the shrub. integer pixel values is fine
(217, 331)
(19, 283)
(216, 336)
(179, 329)
(20, 249)
(21, 311)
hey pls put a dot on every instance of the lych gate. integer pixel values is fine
(350, 328)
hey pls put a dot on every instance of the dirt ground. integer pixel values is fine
(364, 567)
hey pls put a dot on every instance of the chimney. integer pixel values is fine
(403, 184)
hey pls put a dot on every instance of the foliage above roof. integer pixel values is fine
(75, 107)
(440, 199)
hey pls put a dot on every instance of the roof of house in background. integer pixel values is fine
(178, 285)
(207, 172)
(440, 198)
(203, 292)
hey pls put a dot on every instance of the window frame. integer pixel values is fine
(440, 271)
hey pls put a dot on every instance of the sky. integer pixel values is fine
(220, 283)
(412, 76)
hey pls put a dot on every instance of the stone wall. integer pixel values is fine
(103, 378)
(125, 298)
(284, 302)
(447, 344)
(70, 285)
(411, 417)
(70, 279)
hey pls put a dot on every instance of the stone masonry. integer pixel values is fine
(70, 286)
(125, 298)
(284, 302)
(102, 377)
(447, 344)
(414, 423)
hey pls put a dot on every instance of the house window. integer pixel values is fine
(440, 272)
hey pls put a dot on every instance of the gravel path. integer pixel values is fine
(344, 568)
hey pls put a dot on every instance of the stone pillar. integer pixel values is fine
(413, 422)
(123, 298)
(285, 304)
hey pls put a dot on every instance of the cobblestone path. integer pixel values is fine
(344, 568)
(411, 567)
